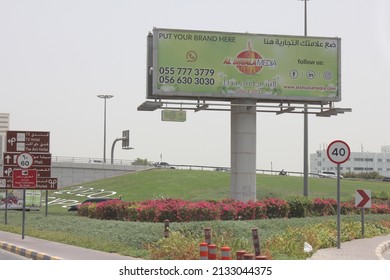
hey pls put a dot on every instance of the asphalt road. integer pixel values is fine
(5, 255)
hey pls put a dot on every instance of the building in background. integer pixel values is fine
(359, 162)
(4, 126)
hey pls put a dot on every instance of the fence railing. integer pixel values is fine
(176, 166)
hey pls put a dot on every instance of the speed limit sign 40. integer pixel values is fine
(338, 152)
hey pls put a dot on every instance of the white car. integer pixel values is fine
(329, 174)
(97, 161)
(164, 165)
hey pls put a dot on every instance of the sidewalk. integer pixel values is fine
(358, 249)
(39, 249)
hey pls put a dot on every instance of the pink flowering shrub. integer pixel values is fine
(87, 210)
(110, 210)
(276, 208)
(203, 211)
(347, 208)
(379, 209)
(178, 210)
(252, 210)
(324, 207)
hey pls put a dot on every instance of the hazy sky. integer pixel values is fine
(56, 56)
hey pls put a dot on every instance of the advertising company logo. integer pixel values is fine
(249, 61)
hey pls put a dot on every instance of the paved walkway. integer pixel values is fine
(39, 249)
(359, 249)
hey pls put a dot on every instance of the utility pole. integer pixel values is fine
(305, 129)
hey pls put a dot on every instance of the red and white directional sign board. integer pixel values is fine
(24, 179)
(28, 150)
(363, 198)
(42, 171)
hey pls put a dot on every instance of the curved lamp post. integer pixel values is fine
(105, 97)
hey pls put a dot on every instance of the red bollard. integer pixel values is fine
(212, 252)
(240, 254)
(225, 253)
(203, 251)
(248, 257)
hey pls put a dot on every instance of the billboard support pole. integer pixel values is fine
(243, 150)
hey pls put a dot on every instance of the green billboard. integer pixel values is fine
(224, 66)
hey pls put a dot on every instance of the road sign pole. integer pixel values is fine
(24, 212)
(362, 222)
(6, 207)
(338, 152)
(338, 208)
(46, 202)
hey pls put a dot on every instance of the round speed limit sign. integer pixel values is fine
(338, 152)
(25, 160)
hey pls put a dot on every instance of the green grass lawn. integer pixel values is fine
(202, 185)
(133, 238)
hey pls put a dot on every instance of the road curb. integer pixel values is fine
(26, 252)
(381, 248)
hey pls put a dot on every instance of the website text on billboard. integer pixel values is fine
(216, 65)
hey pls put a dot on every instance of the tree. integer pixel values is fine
(140, 161)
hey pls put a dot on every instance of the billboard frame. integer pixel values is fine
(153, 92)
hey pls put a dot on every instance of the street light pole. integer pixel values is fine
(105, 97)
(305, 128)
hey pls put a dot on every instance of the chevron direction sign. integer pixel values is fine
(363, 198)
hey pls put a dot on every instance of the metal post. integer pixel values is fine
(305, 130)
(105, 120)
(338, 208)
(46, 203)
(6, 207)
(113, 147)
(362, 222)
(105, 136)
(305, 153)
(305, 32)
(24, 212)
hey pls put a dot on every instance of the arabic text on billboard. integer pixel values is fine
(215, 65)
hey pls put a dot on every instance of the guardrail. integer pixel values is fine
(227, 169)
(90, 160)
(176, 166)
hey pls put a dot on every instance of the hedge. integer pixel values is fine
(177, 210)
